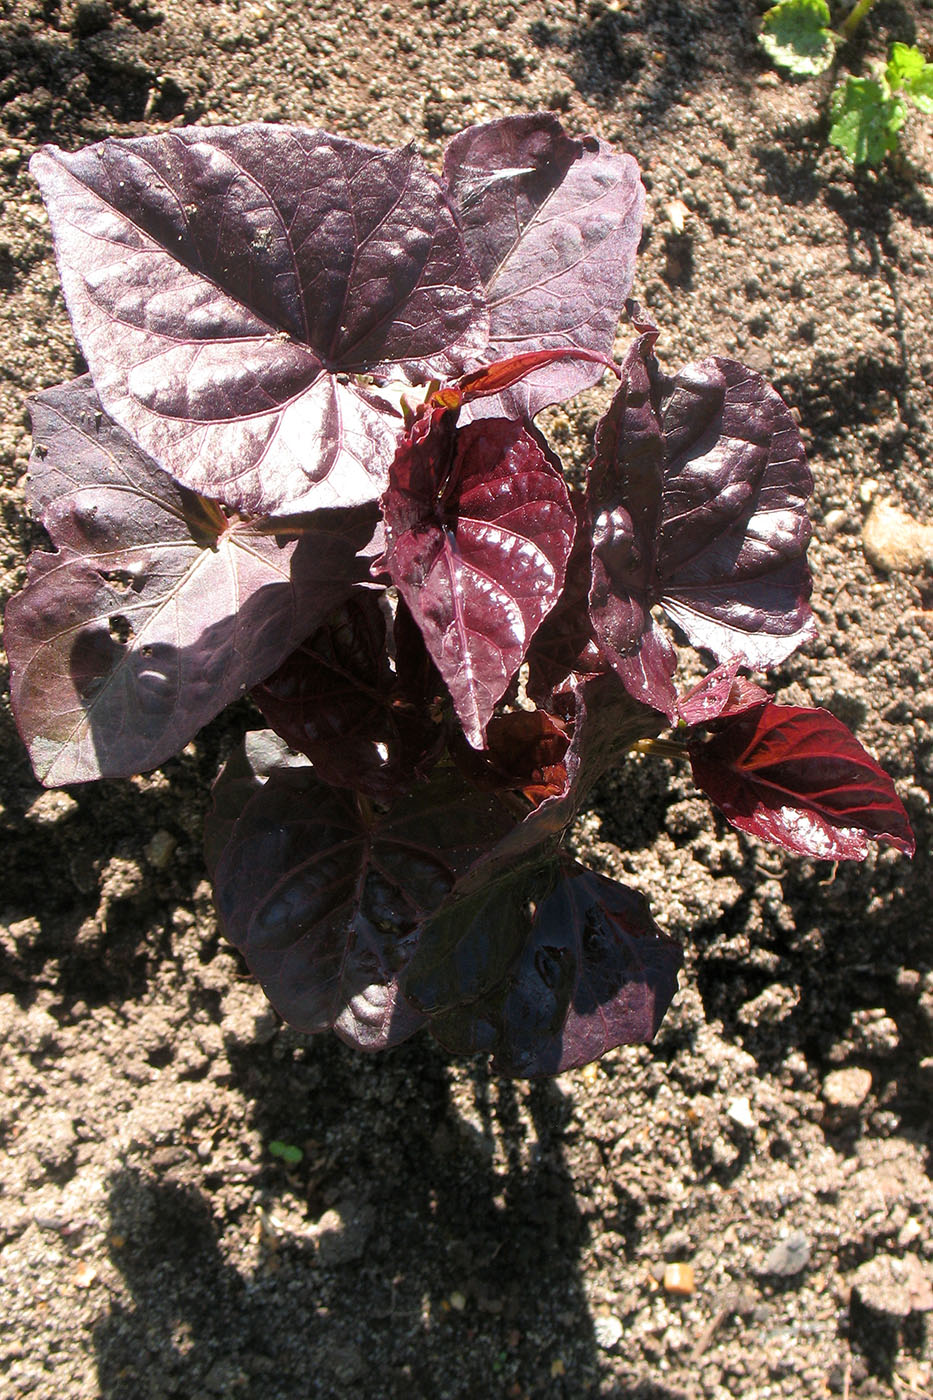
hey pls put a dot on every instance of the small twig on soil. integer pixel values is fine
(910, 1388)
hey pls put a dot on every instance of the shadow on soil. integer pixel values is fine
(430, 1212)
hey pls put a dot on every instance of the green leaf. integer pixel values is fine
(289, 1154)
(909, 72)
(866, 120)
(795, 35)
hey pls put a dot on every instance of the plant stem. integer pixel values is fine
(660, 748)
(856, 15)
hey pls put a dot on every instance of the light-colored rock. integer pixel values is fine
(847, 1088)
(607, 1330)
(895, 543)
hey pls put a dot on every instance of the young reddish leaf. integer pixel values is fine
(798, 777)
(525, 753)
(226, 283)
(723, 692)
(698, 502)
(479, 527)
(553, 225)
(495, 378)
(338, 700)
(155, 611)
(594, 972)
(325, 899)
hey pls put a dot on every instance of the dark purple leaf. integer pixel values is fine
(698, 502)
(325, 898)
(564, 648)
(241, 777)
(155, 611)
(594, 972)
(469, 943)
(226, 284)
(723, 692)
(553, 225)
(798, 777)
(479, 527)
(624, 497)
(338, 700)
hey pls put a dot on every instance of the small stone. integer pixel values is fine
(847, 1089)
(833, 522)
(893, 1288)
(607, 1329)
(457, 1301)
(342, 1235)
(740, 1111)
(10, 157)
(51, 807)
(677, 212)
(788, 1257)
(160, 848)
(678, 1278)
(558, 1368)
(84, 1275)
(675, 1242)
(894, 543)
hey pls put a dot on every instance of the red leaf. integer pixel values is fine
(798, 777)
(479, 528)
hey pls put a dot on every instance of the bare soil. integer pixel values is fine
(447, 1234)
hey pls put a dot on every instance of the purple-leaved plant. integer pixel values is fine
(304, 465)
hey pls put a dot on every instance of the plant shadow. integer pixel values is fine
(457, 1270)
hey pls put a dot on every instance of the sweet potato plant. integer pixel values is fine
(304, 466)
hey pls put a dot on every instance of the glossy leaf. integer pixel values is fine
(798, 777)
(155, 611)
(226, 284)
(325, 898)
(479, 528)
(338, 700)
(553, 225)
(594, 971)
(697, 499)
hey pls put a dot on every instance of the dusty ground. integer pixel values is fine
(445, 1234)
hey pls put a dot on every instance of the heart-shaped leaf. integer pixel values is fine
(797, 777)
(156, 610)
(325, 898)
(227, 284)
(594, 972)
(553, 225)
(697, 501)
(479, 528)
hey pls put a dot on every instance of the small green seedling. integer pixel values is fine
(796, 36)
(287, 1151)
(867, 113)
